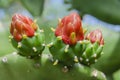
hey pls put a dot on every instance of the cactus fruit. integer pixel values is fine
(71, 47)
(26, 37)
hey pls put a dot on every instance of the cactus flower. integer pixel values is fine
(70, 29)
(22, 25)
(94, 36)
(26, 36)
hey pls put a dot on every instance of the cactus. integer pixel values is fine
(109, 62)
(116, 75)
(35, 8)
(16, 67)
(23, 40)
(71, 47)
(26, 37)
(101, 9)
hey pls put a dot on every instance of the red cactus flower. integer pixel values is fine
(70, 29)
(96, 35)
(22, 25)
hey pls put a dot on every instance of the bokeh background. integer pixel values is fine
(103, 14)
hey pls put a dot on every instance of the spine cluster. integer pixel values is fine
(30, 47)
(84, 52)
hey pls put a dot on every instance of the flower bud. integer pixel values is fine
(94, 36)
(70, 29)
(22, 25)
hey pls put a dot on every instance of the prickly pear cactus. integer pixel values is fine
(72, 46)
(116, 75)
(101, 9)
(15, 67)
(72, 52)
(26, 36)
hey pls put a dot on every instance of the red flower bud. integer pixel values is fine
(70, 29)
(94, 36)
(22, 25)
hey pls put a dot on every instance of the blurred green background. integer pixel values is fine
(102, 14)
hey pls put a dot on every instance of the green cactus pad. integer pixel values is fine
(15, 67)
(30, 47)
